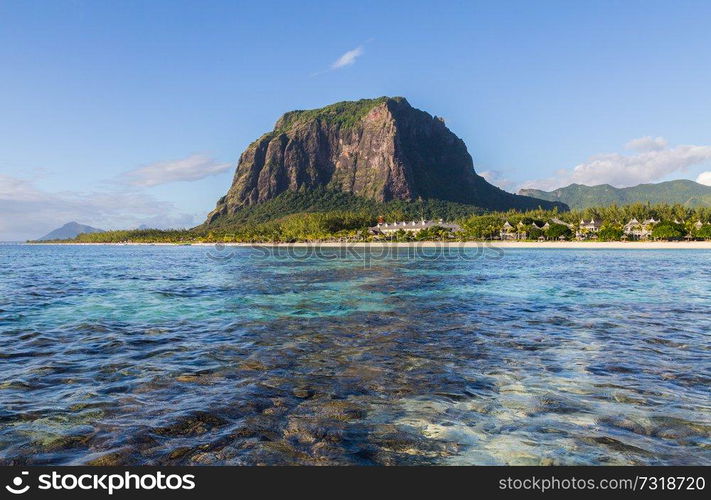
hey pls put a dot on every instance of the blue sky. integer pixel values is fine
(116, 113)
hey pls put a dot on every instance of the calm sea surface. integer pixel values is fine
(192, 355)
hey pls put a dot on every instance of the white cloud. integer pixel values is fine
(29, 212)
(629, 170)
(496, 178)
(646, 144)
(704, 178)
(12, 188)
(192, 168)
(348, 58)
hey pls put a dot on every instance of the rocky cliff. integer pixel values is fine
(381, 149)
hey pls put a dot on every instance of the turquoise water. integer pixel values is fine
(192, 355)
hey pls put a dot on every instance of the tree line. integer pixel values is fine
(677, 222)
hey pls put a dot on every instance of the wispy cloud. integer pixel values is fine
(646, 144)
(348, 58)
(192, 168)
(29, 212)
(497, 179)
(704, 178)
(652, 162)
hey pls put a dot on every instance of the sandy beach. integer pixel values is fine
(570, 245)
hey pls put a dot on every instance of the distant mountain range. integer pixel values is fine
(577, 196)
(69, 231)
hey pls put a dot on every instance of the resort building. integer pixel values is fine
(520, 231)
(588, 230)
(630, 226)
(639, 230)
(385, 228)
(555, 220)
(508, 232)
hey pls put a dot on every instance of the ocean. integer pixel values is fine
(199, 355)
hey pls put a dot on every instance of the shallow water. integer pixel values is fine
(163, 355)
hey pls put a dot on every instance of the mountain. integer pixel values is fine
(69, 231)
(379, 150)
(577, 196)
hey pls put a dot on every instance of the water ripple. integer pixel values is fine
(159, 355)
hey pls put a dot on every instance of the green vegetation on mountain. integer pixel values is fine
(344, 114)
(578, 196)
(325, 200)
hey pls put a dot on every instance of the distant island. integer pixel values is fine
(69, 231)
(577, 196)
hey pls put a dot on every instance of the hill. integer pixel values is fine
(577, 196)
(69, 231)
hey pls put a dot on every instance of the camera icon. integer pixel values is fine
(16, 488)
(220, 253)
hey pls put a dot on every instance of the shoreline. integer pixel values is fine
(587, 245)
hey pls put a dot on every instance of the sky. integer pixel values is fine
(122, 113)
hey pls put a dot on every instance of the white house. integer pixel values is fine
(411, 226)
(639, 230)
(588, 230)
